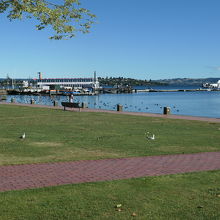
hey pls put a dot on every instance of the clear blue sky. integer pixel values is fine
(146, 39)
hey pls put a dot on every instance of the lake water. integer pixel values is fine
(200, 103)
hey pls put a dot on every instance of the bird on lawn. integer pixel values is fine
(22, 136)
(149, 136)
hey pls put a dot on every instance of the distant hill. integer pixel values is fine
(122, 81)
(188, 81)
(111, 81)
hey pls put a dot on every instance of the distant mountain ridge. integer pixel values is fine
(110, 81)
(188, 81)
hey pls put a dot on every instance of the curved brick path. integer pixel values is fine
(27, 176)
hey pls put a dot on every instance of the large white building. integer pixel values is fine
(68, 82)
(212, 85)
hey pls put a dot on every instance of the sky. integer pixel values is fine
(142, 39)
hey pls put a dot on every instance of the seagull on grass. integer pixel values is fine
(150, 136)
(22, 136)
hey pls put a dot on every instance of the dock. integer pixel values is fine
(3, 92)
(98, 91)
(48, 92)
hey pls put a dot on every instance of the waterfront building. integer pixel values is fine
(212, 85)
(74, 83)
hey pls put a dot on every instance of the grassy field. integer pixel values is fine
(184, 196)
(55, 135)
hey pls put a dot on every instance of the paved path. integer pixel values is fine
(171, 116)
(27, 176)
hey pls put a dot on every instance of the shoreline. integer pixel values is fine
(107, 91)
(143, 114)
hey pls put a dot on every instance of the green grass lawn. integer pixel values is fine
(55, 135)
(184, 196)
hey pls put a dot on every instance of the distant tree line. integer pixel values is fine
(121, 81)
(6, 81)
(9, 82)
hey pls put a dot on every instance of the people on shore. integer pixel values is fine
(71, 98)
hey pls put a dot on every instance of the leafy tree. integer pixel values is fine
(66, 17)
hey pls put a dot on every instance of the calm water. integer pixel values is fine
(183, 103)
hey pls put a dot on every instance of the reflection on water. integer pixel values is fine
(183, 103)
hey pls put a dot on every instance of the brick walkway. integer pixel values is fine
(28, 176)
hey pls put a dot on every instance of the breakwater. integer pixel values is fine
(176, 90)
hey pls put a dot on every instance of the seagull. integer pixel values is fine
(23, 136)
(150, 137)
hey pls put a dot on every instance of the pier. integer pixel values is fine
(3, 92)
(175, 90)
(115, 90)
(49, 92)
(96, 91)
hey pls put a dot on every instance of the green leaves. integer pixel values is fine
(65, 18)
